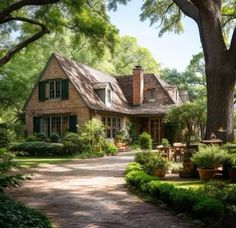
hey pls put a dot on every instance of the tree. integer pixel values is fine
(214, 19)
(192, 79)
(189, 117)
(32, 19)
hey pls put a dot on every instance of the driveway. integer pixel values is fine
(91, 193)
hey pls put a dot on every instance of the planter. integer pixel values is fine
(232, 175)
(206, 174)
(158, 172)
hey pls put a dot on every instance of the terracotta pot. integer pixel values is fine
(232, 175)
(206, 174)
(158, 172)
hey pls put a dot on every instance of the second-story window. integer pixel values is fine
(151, 95)
(109, 96)
(55, 89)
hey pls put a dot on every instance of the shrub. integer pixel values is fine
(41, 136)
(209, 157)
(4, 139)
(135, 146)
(145, 141)
(71, 142)
(92, 136)
(13, 214)
(133, 166)
(144, 157)
(184, 200)
(156, 162)
(31, 138)
(40, 148)
(165, 142)
(110, 149)
(208, 207)
(54, 137)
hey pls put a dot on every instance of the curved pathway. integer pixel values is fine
(91, 193)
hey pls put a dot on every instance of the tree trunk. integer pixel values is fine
(220, 95)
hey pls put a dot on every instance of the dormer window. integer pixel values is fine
(104, 92)
(108, 95)
(151, 95)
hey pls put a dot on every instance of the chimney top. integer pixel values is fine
(138, 67)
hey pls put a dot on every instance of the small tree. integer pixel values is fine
(145, 141)
(93, 134)
(189, 117)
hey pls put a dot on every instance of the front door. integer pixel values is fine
(155, 129)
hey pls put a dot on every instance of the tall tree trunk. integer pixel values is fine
(220, 95)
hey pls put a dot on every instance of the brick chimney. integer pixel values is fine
(137, 85)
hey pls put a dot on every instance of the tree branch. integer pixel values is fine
(188, 9)
(19, 4)
(24, 43)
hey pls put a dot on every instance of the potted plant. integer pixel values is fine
(232, 167)
(157, 166)
(207, 160)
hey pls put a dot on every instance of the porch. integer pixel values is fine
(151, 125)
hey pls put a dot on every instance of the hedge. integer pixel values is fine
(182, 200)
(14, 214)
(40, 148)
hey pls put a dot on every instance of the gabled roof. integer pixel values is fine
(84, 78)
(87, 80)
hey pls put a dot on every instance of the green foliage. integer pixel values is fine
(144, 157)
(13, 214)
(110, 149)
(71, 142)
(132, 131)
(40, 148)
(41, 136)
(133, 166)
(165, 142)
(197, 203)
(6, 163)
(92, 136)
(188, 117)
(4, 138)
(145, 141)
(54, 137)
(209, 157)
(156, 162)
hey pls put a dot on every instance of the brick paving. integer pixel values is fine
(91, 193)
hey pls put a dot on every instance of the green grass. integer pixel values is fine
(29, 162)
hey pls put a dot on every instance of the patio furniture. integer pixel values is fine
(212, 141)
(178, 150)
(164, 151)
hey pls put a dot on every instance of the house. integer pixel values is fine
(68, 94)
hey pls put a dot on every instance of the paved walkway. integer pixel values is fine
(91, 193)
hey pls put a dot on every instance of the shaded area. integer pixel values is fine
(91, 193)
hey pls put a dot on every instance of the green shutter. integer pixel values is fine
(42, 91)
(72, 123)
(64, 89)
(36, 123)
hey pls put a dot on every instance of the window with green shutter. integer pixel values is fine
(73, 123)
(42, 91)
(64, 89)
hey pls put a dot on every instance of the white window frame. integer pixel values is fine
(54, 95)
(151, 98)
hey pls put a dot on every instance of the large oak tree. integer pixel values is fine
(29, 20)
(215, 19)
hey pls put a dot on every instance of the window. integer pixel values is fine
(109, 97)
(112, 126)
(54, 89)
(151, 95)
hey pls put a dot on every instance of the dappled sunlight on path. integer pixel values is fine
(91, 193)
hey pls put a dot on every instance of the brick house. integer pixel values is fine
(68, 94)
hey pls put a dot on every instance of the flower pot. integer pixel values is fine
(158, 172)
(232, 175)
(206, 174)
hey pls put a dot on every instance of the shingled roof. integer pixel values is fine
(87, 80)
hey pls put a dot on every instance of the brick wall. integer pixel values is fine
(74, 105)
(137, 85)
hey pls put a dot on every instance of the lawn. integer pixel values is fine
(29, 162)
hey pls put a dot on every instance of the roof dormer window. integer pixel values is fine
(151, 95)
(108, 97)
(104, 92)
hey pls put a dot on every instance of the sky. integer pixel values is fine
(171, 50)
